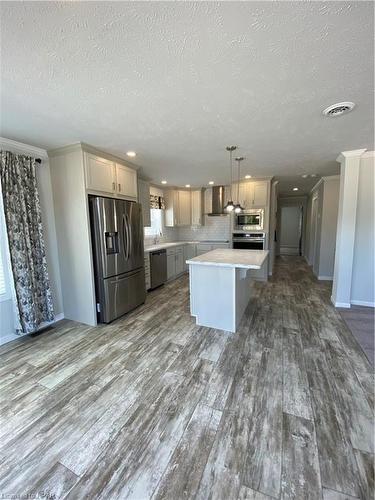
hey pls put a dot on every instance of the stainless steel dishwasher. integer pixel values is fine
(158, 265)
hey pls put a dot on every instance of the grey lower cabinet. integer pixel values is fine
(171, 266)
(175, 262)
(207, 247)
(190, 251)
(147, 271)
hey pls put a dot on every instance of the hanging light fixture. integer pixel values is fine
(230, 205)
(237, 206)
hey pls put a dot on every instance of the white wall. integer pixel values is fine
(321, 239)
(49, 230)
(273, 225)
(331, 191)
(363, 273)
(307, 238)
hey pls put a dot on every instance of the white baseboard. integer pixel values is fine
(9, 338)
(344, 305)
(325, 278)
(289, 251)
(362, 303)
(13, 336)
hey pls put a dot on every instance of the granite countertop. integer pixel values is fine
(228, 257)
(160, 246)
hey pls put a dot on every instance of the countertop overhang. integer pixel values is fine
(228, 257)
(160, 246)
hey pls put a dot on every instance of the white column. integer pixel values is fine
(346, 222)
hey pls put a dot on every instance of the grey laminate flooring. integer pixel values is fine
(153, 406)
(361, 322)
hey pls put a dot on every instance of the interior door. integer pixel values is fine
(290, 230)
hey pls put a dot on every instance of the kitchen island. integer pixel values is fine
(220, 285)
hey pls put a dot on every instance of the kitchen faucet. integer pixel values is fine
(156, 239)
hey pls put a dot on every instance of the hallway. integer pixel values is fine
(154, 406)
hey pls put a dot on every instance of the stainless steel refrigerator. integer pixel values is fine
(117, 239)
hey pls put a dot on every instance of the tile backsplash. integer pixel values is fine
(215, 228)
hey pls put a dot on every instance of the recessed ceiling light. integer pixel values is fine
(164, 182)
(313, 175)
(187, 185)
(211, 182)
(131, 154)
(295, 189)
(247, 176)
(338, 109)
(305, 175)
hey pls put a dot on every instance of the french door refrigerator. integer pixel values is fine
(117, 239)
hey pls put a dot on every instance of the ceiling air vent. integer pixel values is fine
(338, 109)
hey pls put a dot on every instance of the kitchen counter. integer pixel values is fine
(160, 246)
(228, 257)
(221, 286)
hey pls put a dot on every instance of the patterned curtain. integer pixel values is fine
(25, 238)
(157, 202)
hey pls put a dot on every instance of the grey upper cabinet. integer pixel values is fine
(197, 207)
(107, 177)
(177, 208)
(144, 200)
(251, 194)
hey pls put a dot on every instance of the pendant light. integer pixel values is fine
(230, 205)
(237, 208)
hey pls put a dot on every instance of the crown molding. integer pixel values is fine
(331, 177)
(87, 148)
(21, 147)
(355, 153)
(316, 185)
(63, 150)
(368, 154)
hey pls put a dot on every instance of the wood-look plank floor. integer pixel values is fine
(153, 406)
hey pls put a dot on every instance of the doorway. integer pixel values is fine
(291, 230)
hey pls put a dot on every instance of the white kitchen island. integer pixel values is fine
(220, 286)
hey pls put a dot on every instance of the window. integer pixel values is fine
(156, 227)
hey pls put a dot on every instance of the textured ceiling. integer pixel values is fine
(178, 81)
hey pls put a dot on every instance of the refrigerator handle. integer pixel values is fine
(130, 232)
(125, 236)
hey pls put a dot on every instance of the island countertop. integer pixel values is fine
(229, 257)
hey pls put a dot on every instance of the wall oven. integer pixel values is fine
(249, 220)
(249, 241)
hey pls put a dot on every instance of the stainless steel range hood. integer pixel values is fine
(218, 201)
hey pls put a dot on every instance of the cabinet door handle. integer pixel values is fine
(119, 187)
(113, 186)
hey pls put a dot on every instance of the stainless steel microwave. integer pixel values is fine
(249, 220)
